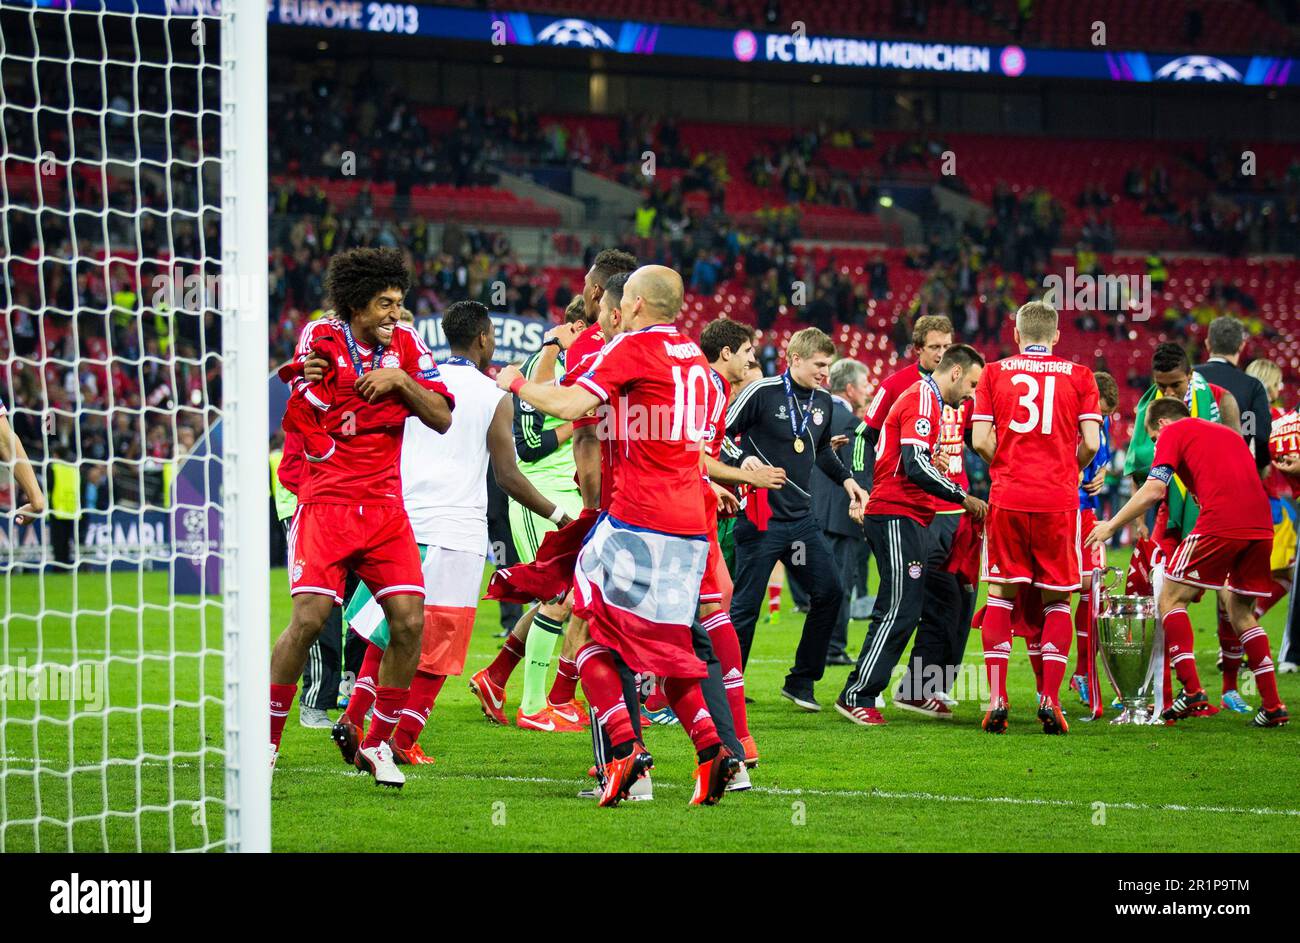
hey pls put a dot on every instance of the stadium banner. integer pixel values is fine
(661, 39)
(518, 337)
(120, 538)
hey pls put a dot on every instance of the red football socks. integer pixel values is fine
(604, 689)
(419, 704)
(996, 633)
(388, 704)
(1259, 656)
(726, 645)
(565, 685)
(1055, 647)
(1230, 652)
(1036, 661)
(1082, 632)
(509, 656)
(282, 696)
(687, 700)
(363, 691)
(1180, 647)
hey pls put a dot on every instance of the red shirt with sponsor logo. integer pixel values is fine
(1036, 402)
(660, 381)
(912, 420)
(364, 466)
(952, 429)
(1217, 467)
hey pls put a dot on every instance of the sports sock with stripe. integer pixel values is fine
(1082, 630)
(419, 704)
(1230, 651)
(282, 696)
(1259, 655)
(540, 647)
(502, 666)
(726, 645)
(362, 696)
(996, 634)
(604, 690)
(1058, 629)
(1180, 645)
(565, 686)
(687, 701)
(388, 704)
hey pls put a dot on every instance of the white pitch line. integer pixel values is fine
(823, 793)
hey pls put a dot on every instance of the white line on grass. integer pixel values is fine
(823, 793)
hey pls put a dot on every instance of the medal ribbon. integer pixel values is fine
(356, 354)
(796, 427)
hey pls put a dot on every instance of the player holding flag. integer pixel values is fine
(1228, 549)
(1037, 424)
(660, 381)
(350, 513)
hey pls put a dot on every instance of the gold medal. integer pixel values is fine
(798, 445)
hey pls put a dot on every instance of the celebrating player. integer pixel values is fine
(1172, 376)
(350, 513)
(1037, 424)
(1228, 550)
(897, 515)
(660, 381)
(444, 490)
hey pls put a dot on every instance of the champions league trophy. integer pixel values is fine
(1127, 640)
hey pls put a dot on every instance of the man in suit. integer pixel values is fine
(849, 383)
(1225, 341)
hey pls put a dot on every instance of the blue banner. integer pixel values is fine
(634, 38)
(121, 538)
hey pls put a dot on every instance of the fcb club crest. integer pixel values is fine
(914, 569)
(391, 360)
(818, 416)
(297, 571)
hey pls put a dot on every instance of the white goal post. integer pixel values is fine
(245, 584)
(135, 612)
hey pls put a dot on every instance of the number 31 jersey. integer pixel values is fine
(1036, 402)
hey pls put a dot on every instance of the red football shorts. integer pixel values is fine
(1038, 547)
(1094, 558)
(376, 543)
(1211, 562)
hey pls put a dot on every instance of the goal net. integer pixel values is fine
(133, 671)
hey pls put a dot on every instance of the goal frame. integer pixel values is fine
(245, 585)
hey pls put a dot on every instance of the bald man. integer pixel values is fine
(658, 512)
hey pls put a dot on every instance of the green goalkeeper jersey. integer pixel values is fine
(547, 463)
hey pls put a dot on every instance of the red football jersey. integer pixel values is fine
(578, 361)
(717, 418)
(912, 420)
(660, 381)
(1217, 467)
(364, 467)
(1036, 402)
(952, 427)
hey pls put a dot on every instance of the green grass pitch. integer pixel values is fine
(823, 784)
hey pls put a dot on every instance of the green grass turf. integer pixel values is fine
(823, 784)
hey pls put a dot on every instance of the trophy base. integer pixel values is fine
(1137, 714)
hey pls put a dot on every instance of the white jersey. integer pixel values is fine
(444, 476)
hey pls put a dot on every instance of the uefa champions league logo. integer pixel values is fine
(1198, 69)
(575, 33)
